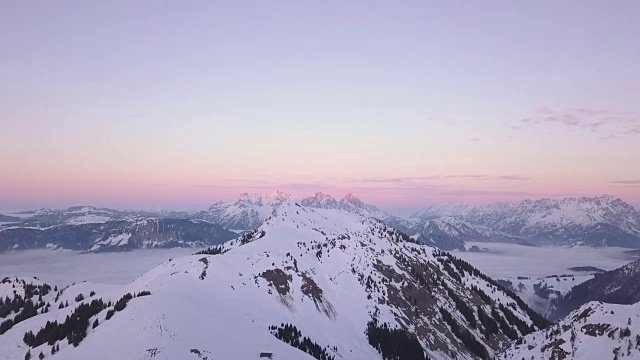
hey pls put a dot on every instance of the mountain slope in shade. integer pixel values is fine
(594, 331)
(447, 233)
(7, 218)
(116, 235)
(620, 286)
(329, 273)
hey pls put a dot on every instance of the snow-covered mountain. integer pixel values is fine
(348, 203)
(594, 331)
(308, 283)
(619, 286)
(446, 233)
(246, 213)
(116, 235)
(535, 217)
(598, 221)
(249, 211)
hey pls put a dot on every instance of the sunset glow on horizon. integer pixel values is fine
(142, 104)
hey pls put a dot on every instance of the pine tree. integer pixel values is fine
(41, 356)
(27, 356)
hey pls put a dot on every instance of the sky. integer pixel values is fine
(180, 104)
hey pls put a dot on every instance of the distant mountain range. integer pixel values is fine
(598, 221)
(116, 235)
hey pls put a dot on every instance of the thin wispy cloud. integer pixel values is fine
(441, 120)
(433, 178)
(626, 183)
(612, 124)
(501, 193)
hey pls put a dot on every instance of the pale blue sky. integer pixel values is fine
(176, 101)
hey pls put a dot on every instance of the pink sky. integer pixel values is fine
(147, 104)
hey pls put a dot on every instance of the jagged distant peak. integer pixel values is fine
(321, 195)
(351, 198)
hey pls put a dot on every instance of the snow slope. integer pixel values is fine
(328, 272)
(594, 331)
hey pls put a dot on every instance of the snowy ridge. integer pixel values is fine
(594, 331)
(328, 272)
